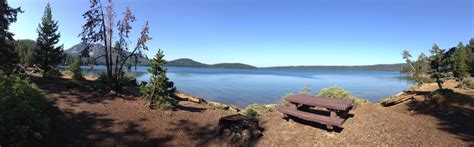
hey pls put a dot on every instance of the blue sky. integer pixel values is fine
(276, 32)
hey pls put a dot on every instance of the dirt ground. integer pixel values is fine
(84, 118)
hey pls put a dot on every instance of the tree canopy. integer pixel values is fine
(7, 51)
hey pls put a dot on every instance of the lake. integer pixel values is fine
(242, 87)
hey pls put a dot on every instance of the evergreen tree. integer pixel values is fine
(423, 65)
(460, 62)
(47, 54)
(470, 49)
(306, 90)
(25, 49)
(160, 89)
(415, 68)
(438, 65)
(8, 56)
(75, 67)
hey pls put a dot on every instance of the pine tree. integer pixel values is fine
(460, 62)
(438, 65)
(160, 89)
(25, 49)
(470, 49)
(47, 54)
(8, 56)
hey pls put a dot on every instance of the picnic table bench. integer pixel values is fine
(301, 104)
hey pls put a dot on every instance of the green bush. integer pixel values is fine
(469, 83)
(340, 93)
(75, 68)
(23, 118)
(250, 112)
(254, 110)
(261, 108)
(128, 80)
(335, 92)
(52, 74)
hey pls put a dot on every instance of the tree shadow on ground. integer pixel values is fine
(190, 109)
(453, 118)
(317, 124)
(203, 135)
(61, 89)
(69, 128)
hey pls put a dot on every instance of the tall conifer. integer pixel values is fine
(47, 54)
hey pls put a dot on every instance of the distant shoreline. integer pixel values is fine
(381, 67)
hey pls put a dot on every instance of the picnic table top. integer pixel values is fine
(330, 103)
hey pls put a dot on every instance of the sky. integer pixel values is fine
(275, 32)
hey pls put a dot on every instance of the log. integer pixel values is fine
(186, 97)
(218, 105)
(419, 92)
(397, 100)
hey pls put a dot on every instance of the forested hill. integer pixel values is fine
(185, 62)
(378, 67)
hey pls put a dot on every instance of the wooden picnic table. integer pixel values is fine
(300, 104)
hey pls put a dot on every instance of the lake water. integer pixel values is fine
(242, 87)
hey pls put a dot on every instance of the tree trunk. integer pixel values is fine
(439, 83)
(104, 33)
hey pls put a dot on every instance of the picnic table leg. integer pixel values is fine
(286, 117)
(332, 115)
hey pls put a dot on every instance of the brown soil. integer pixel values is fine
(85, 118)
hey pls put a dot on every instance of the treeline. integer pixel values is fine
(378, 67)
(442, 64)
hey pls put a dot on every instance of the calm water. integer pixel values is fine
(242, 87)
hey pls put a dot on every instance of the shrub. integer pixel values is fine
(335, 92)
(340, 93)
(128, 80)
(250, 112)
(469, 83)
(75, 68)
(23, 118)
(261, 108)
(306, 90)
(284, 101)
(52, 74)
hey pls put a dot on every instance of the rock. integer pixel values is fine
(234, 109)
(227, 132)
(256, 133)
(235, 137)
(246, 136)
(113, 92)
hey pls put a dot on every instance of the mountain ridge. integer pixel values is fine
(97, 50)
